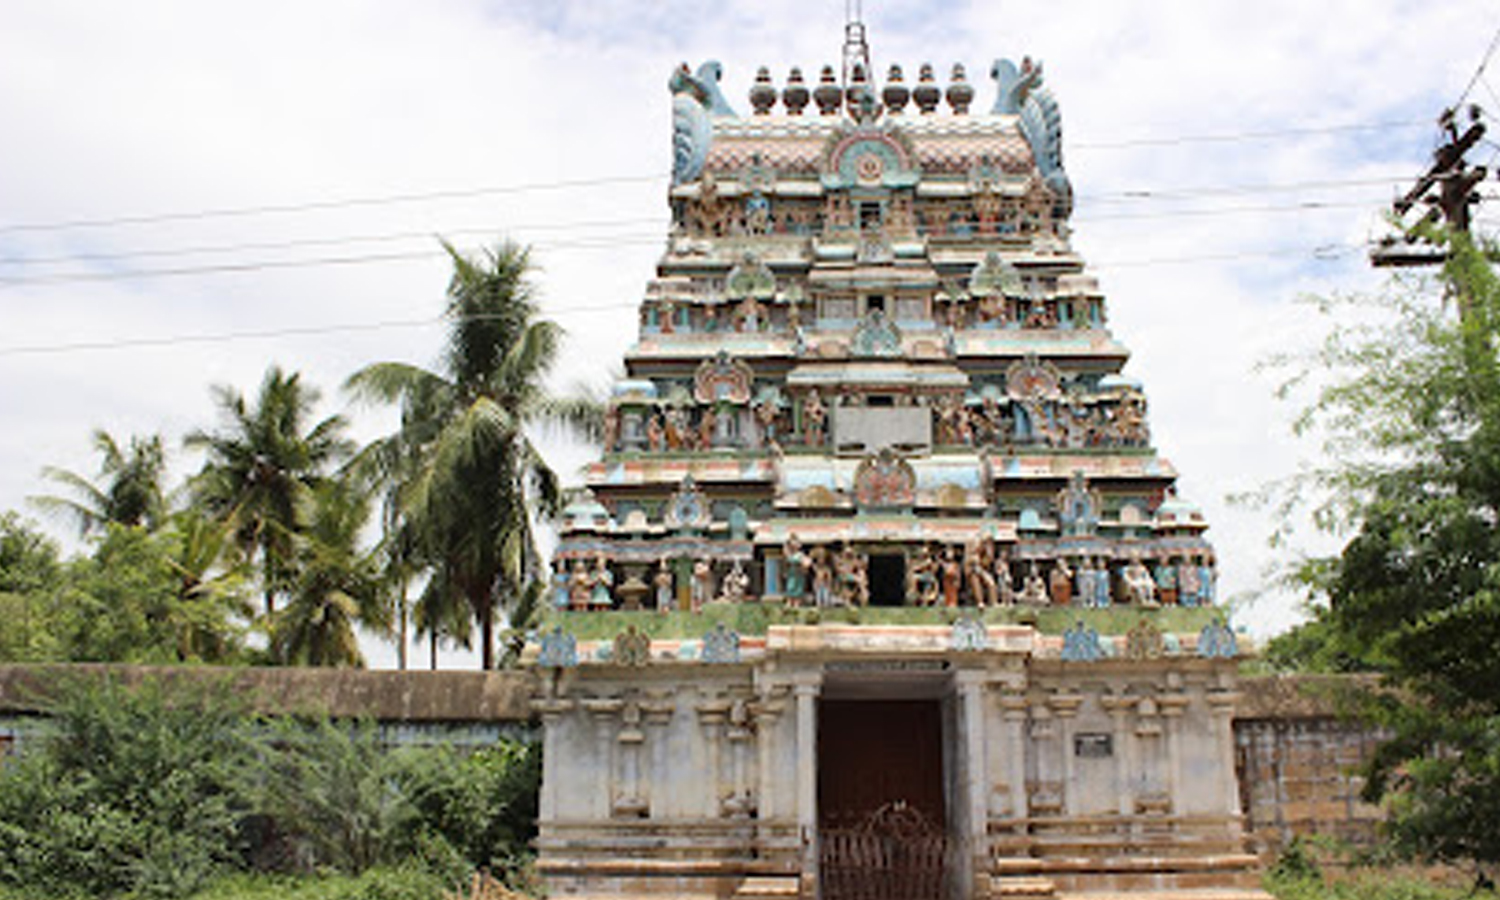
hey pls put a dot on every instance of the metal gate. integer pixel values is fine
(895, 854)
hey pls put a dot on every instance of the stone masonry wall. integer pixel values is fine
(1298, 763)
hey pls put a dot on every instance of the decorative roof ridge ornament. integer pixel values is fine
(723, 378)
(687, 510)
(884, 481)
(995, 277)
(750, 277)
(1081, 644)
(1021, 94)
(969, 634)
(696, 101)
(876, 335)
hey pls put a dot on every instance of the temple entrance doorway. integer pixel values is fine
(881, 812)
(887, 579)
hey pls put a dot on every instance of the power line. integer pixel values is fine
(1479, 70)
(600, 243)
(593, 242)
(294, 243)
(1320, 253)
(315, 205)
(458, 193)
(1131, 195)
(1244, 136)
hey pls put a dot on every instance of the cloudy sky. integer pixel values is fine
(191, 191)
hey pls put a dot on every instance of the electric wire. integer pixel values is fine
(317, 205)
(1131, 196)
(137, 219)
(603, 241)
(1318, 253)
(1479, 70)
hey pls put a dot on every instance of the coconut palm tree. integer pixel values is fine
(477, 480)
(262, 466)
(335, 586)
(129, 489)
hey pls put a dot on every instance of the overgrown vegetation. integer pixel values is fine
(1320, 869)
(152, 792)
(1409, 409)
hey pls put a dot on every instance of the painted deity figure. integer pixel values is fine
(796, 571)
(676, 428)
(654, 437)
(1101, 584)
(1189, 583)
(765, 416)
(952, 574)
(1083, 582)
(853, 583)
(611, 428)
(579, 586)
(1166, 582)
(981, 582)
(923, 572)
(702, 588)
(814, 414)
(736, 584)
(1034, 591)
(1140, 587)
(707, 427)
(600, 585)
(1004, 583)
(666, 597)
(1062, 582)
(750, 313)
(822, 579)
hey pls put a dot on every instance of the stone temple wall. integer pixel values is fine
(1298, 762)
(1296, 759)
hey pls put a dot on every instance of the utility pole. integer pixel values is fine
(1448, 190)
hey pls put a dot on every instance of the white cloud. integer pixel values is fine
(161, 106)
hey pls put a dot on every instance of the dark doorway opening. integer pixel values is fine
(881, 814)
(887, 579)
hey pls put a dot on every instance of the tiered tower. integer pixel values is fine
(876, 455)
(872, 369)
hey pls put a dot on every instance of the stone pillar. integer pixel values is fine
(741, 729)
(1064, 705)
(552, 710)
(1172, 704)
(767, 711)
(602, 710)
(1221, 703)
(658, 713)
(1118, 705)
(628, 799)
(806, 692)
(976, 779)
(1013, 708)
(712, 713)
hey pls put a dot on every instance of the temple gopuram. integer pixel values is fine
(879, 587)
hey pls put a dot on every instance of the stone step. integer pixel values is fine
(1021, 888)
(769, 887)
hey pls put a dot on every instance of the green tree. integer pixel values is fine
(30, 572)
(129, 491)
(1410, 411)
(134, 600)
(337, 585)
(478, 480)
(261, 467)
